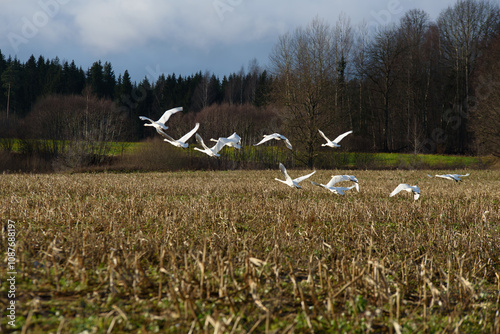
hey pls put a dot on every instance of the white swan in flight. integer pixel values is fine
(403, 186)
(276, 136)
(340, 178)
(454, 177)
(336, 141)
(232, 141)
(288, 180)
(211, 151)
(181, 142)
(335, 190)
(160, 124)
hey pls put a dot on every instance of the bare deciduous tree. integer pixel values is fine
(81, 129)
(464, 29)
(365, 115)
(303, 64)
(485, 120)
(383, 70)
(413, 28)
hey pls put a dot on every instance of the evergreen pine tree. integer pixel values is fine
(95, 79)
(109, 81)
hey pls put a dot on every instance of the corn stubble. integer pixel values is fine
(237, 252)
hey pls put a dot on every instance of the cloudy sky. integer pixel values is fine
(149, 37)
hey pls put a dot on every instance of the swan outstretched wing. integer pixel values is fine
(336, 179)
(402, 186)
(284, 172)
(200, 141)
(161, 132)
(339, 138)
(344, 189)
(275, 136)
(340, 190)
(166, 115)
(287, 143)
(228, 142)
(302, 178)
(407, 187)
(188, 135)
(317, 184)
(144, 118)
(323, 135)
(218, 146)
(266, 138)
(235, 138)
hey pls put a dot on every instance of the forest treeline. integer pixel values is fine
(417, 85)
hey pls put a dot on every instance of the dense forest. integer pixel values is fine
(415, 86)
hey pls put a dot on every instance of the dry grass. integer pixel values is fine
(237, 252)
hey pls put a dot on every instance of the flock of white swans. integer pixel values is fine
(235, 141)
